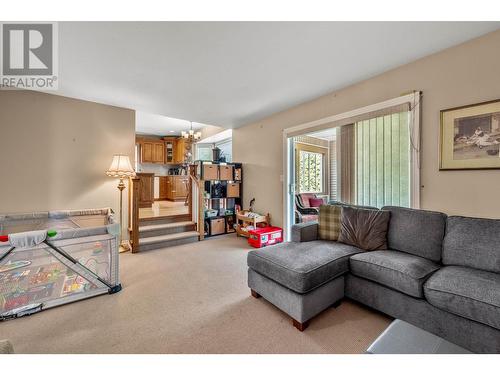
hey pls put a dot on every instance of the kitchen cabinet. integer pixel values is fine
(181, 187)
(152, 151)
(181, 147)
(159, 153)
(170, 149)
(174, 188)
(163, 188)
(146, 195)
(146, 152)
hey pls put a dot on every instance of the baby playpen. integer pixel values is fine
(51, 258)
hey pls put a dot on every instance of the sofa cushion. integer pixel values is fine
(416, 232)
(403, 272)
(329, 222)
(366, 229)
(467, 292)
(302, 266)
(472, 242)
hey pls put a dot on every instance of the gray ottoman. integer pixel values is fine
(300, 278)
(6, 347)
(403, 338)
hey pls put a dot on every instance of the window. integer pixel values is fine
(311, 167)
(382, 160)
(226, 147)
(310, 172)
(204, 151)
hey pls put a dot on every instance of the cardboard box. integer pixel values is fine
(226, 172)
(233, 190)
(210, 172)
(217, 226)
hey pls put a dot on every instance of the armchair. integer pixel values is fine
(303, 212)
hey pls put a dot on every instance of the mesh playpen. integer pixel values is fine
(51, 258)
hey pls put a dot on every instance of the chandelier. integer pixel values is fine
(191, 135)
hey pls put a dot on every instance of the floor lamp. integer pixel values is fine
(120, 168)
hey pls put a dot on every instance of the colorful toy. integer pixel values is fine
(265, 236)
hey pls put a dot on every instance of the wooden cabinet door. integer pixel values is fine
(146, 198)
(180, 187)
(159, 153)
(169, 151)
(163, 188)
(180, 149)
(170, 188)
(147, 152)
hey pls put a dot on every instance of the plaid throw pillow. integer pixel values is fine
(329, 222)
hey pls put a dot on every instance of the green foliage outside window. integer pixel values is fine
(310, 176)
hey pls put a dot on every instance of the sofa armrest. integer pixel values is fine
(304, 232)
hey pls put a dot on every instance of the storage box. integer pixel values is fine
(226, 172)
(217, 226)
(210, 172)
(233, 190)
(265, 236)
(211, 213)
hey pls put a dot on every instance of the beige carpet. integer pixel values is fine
(189, 299)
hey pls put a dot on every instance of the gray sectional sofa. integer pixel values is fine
(440, 273)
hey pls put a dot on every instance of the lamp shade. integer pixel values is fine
(120, 167)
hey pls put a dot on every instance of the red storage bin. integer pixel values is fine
(265, 236)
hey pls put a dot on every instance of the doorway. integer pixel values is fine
(369, 157)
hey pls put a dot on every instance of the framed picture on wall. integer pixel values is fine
(470, 137)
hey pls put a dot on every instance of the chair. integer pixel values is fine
(303, 212)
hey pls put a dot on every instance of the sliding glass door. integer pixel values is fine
(369, 157)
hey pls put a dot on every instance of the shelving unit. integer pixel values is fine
(254, 220)
(222, 192)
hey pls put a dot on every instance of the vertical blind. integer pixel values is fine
(383, 160)
(332, 145)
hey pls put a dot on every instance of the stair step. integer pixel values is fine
(167, 240)
(164, 219)
(154, 230)
(148, 228)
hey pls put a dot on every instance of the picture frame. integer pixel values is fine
(470, 137)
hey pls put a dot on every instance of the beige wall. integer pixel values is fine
(54, 152)
(210, 130)
(465, 74)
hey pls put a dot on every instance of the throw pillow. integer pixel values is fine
(364, 228)
(315, 202)
(329, 222)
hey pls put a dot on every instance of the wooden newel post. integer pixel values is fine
(134, 235)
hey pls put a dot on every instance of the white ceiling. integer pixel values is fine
(229, 74)
(148, 123)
